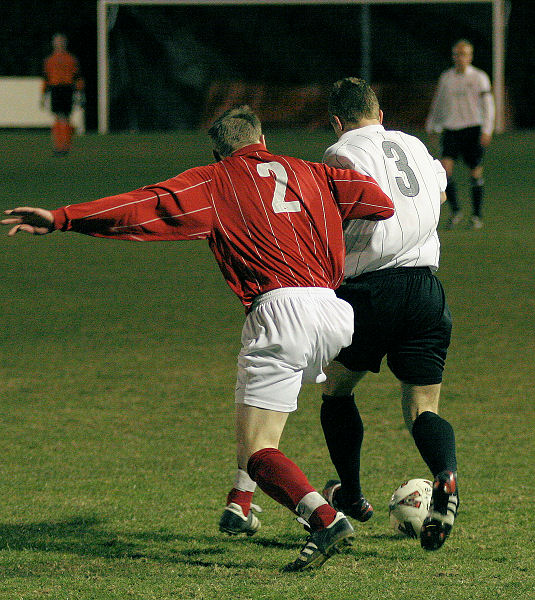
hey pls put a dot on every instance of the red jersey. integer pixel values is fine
(61, 68)
(271, 221)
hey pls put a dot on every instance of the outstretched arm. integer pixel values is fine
(36, 221)
(176, 209)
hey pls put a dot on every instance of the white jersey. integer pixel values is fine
(462, 100)
(404, 170)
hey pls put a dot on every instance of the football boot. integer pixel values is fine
(361, 510)
(442, 511)
(322, 544)
(233, 521)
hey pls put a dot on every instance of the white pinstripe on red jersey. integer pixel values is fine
(271, 221)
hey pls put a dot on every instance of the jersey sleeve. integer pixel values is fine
(359, 196)
(78, 80)
(176, 209)
(358, 159)
(336, 157)
(433, 123)
(44, 83)
(487, 105)
(440, 173)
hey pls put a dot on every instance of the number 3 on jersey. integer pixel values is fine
(281, 183)
(393, 150)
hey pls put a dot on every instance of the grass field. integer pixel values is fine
(117, 375)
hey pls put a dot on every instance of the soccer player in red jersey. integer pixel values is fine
(274, 224)
(61, 79)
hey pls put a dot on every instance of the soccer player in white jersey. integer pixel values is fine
(399, 306)
(463, 110)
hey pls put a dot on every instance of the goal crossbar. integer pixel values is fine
(498, 40)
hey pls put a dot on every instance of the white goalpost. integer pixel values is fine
(498, 40)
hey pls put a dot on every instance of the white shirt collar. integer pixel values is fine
(368, 129)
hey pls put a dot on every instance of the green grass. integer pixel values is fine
(117, 374)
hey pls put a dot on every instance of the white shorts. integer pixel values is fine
(289, 337)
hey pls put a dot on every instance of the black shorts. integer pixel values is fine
(61, 98)
(465, 143)
(402, 314)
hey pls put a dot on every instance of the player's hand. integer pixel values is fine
(485, 139)
(36, 221)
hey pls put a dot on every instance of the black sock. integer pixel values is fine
(451, 194)
(344, 432)
(477, 196)
(435, 440)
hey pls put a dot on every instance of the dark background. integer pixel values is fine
(163, 60)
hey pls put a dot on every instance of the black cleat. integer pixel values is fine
(361, 510)
(442, 511)
(322, 544)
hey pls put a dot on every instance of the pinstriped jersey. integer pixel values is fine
(405, 170)
(271, 221)
(462, 100)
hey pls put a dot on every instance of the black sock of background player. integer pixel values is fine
(451, 194)
(435, 440)
(344, 432)
(476, 186)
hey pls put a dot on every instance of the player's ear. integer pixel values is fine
(381, 116)
(337, 125)
(262, 139)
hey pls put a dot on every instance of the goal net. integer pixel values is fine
(167, 64)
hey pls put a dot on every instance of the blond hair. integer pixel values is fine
(234, 129)
(464, 43)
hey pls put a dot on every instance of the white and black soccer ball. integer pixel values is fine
(409, 505)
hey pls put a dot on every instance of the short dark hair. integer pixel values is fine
(235, 128)
(352, 99)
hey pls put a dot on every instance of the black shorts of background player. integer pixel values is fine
(465, 144)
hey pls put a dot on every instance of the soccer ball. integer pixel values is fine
(409, 505)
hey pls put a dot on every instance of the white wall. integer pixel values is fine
(19, 105)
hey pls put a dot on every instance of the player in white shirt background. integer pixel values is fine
(463, 111)
(399, 306)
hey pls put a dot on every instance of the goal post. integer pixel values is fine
(498, 39)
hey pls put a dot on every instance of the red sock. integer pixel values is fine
(322, 517)
(66, 135)
(283, 480)
(242, 498)
(279, 477)
(56, 136)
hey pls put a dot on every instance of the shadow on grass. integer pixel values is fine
(86, 537)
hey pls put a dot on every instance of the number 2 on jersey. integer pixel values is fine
(281, 183)
(393, 150)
